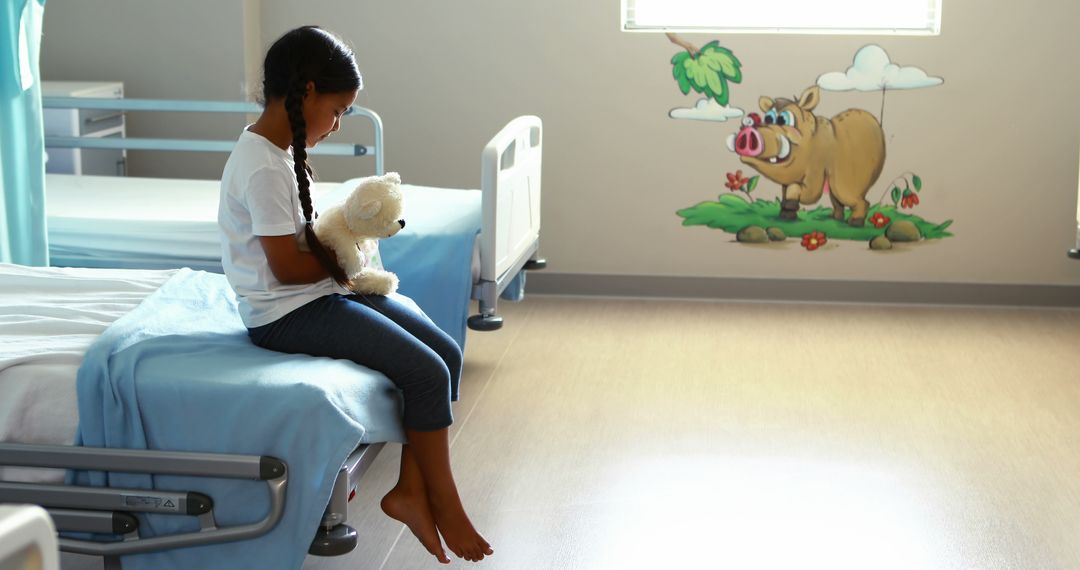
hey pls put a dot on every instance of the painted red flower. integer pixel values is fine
(879, 220)
(735, 180)
(909, 201)
(813, 240)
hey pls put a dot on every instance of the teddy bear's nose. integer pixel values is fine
(402, 222)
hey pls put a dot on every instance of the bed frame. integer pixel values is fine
(509, 243)
(108, 510)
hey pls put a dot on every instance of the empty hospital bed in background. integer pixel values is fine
(481, 240)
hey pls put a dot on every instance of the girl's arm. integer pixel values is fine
(290, 265)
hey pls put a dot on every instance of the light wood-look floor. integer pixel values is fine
(678, 434)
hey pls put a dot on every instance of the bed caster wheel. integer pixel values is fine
(485, 322)
(1074, 253)
(335, 541)
(534, 264)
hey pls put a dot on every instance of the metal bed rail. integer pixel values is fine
(104, 509)
(374, 150)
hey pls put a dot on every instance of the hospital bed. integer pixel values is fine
(185, 494)
(56, 320)
(484, 238)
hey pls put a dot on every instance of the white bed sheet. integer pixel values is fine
(48, 318)
(91, 220)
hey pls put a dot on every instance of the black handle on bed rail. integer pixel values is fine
(270, 468)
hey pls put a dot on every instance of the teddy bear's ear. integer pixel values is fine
(369, 209)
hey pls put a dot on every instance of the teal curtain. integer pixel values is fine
(22, 146)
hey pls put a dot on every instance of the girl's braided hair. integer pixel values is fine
(309, 54)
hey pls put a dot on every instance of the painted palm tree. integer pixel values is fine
(707, 70)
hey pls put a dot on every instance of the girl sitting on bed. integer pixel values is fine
(293, 296)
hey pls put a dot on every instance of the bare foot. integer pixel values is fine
(413, 510)
(458, 532)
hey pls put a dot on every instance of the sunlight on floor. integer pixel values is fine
(694, 512)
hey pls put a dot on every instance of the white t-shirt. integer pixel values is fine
(259, 197)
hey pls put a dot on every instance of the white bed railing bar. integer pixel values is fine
(375, 150)
(194, 145)
(127, 104)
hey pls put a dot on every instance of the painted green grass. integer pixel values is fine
(731, 213)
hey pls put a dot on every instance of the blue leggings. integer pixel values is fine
(381, 334)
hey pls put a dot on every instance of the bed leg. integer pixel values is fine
(487, 294)
(333, 541)
(487, 320)
(483, 322)
(487, 298)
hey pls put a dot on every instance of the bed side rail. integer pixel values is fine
(374, 150)
(82, 507)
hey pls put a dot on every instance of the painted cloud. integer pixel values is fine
(872, 71)
(706, 110)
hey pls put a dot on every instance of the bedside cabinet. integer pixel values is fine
(84, 123)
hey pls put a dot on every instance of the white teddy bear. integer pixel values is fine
(371, 212)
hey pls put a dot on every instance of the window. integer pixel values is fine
(880, 17)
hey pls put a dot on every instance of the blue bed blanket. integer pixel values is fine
(179, 373)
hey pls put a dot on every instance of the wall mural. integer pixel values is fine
(805, 156)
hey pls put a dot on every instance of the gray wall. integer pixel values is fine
(996, 145)
(162, 50)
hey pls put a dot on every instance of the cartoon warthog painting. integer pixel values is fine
(810, 155)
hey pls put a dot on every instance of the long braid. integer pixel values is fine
(294, 107)
(294, 100)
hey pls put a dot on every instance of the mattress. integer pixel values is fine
(48, 318)
(164, 223)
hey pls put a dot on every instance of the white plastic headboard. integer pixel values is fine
(510, 180)
(27, 538)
